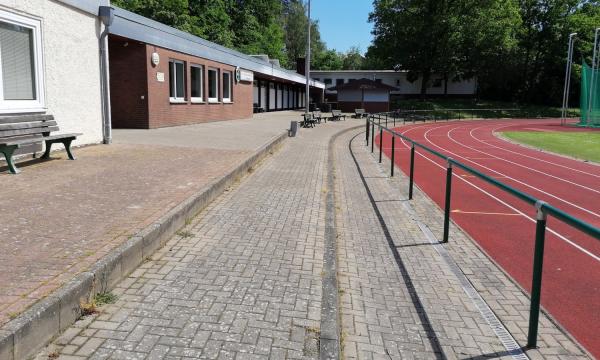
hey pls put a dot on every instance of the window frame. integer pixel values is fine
(197, 99)
(230, 83)
(173, 86)
(216, 98)
(39, 103)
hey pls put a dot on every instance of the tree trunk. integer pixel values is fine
(424, 81)
(445, 85)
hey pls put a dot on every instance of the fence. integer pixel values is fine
(542, 208)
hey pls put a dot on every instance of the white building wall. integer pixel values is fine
(71, 66)
(399, 80)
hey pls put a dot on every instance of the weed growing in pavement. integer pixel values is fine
(53, 355)
(105, 298)
(184, 234)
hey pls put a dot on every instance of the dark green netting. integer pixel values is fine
(590, 116)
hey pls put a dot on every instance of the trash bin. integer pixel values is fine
(293, 129)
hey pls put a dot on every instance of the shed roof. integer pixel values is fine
(363, 83)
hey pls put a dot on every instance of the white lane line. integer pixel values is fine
(449, 134)
(576, 246)
(524, 155)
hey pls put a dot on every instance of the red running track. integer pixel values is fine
(505, 226)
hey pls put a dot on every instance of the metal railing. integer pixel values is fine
(542, 208)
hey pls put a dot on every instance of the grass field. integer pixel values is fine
(581, 145)
(466, 108)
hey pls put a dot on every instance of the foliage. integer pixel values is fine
(516, 48)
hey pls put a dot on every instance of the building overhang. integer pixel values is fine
(132, 26)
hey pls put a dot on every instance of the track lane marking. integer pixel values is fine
(506, 176)
(458, 211)
(524, 155)
(575, 245)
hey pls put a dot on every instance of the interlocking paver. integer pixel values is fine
(250, 284)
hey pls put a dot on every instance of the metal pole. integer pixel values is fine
(307, 95)
(380, 143)
(536, 285)
(393, 151)
(591, 92)
(567, 78)
(372, 135)
(367, 131)
(412, 172)
(447, 204)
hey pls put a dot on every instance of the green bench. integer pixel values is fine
(24, 134)
(337, 115)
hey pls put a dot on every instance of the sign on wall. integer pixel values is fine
(160, 77)
(244, 75)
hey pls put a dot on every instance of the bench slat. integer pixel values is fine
(11, 133)
(24, 118)
(26, 125)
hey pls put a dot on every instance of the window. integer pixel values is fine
(316, 79)
(226, 86)
(176, 81)
(196, 83)
(339, 81)
(397, 82)
(378, 81)
(327, 81)
(213, 85)
(21, 78)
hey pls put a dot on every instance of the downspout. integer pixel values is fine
(106, 15)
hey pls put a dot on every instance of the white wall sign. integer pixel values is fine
(160, 77)
(246, 75)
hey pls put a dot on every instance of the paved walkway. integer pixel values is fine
(244, 279)
(59, 217)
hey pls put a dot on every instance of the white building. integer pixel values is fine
(50, 63)
(397, 79)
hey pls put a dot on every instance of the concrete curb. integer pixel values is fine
(330, 347)
(34, 328)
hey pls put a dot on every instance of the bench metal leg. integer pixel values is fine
(67, 145)
(47, 152)
(8, 154)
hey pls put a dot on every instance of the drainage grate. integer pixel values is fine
(512, 347)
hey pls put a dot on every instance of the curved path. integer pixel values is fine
(503, 225)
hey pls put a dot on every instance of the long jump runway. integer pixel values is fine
(504, 226)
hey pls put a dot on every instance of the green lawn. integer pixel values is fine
(581, 145)
(460, 108)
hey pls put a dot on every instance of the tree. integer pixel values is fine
(353, 60)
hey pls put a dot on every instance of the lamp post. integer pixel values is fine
(565, 104)
(592, 76)
(307, 72)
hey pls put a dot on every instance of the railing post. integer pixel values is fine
(447, 204)
(412, 172)
(386, 120)
(536, 285)
(393, 152)
(380, 143)
(394, 119)
(367, 131)
(372, 135)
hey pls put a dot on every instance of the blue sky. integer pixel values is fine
(343, 23)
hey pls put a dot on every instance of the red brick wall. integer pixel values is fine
(370, 107)
(163, 113)
(128, 91)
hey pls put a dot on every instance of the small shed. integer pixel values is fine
(373, 96)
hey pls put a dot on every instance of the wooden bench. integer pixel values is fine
(309, 120)
(337, 115)
(318, 116)
(24, 134)
(359, 113)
